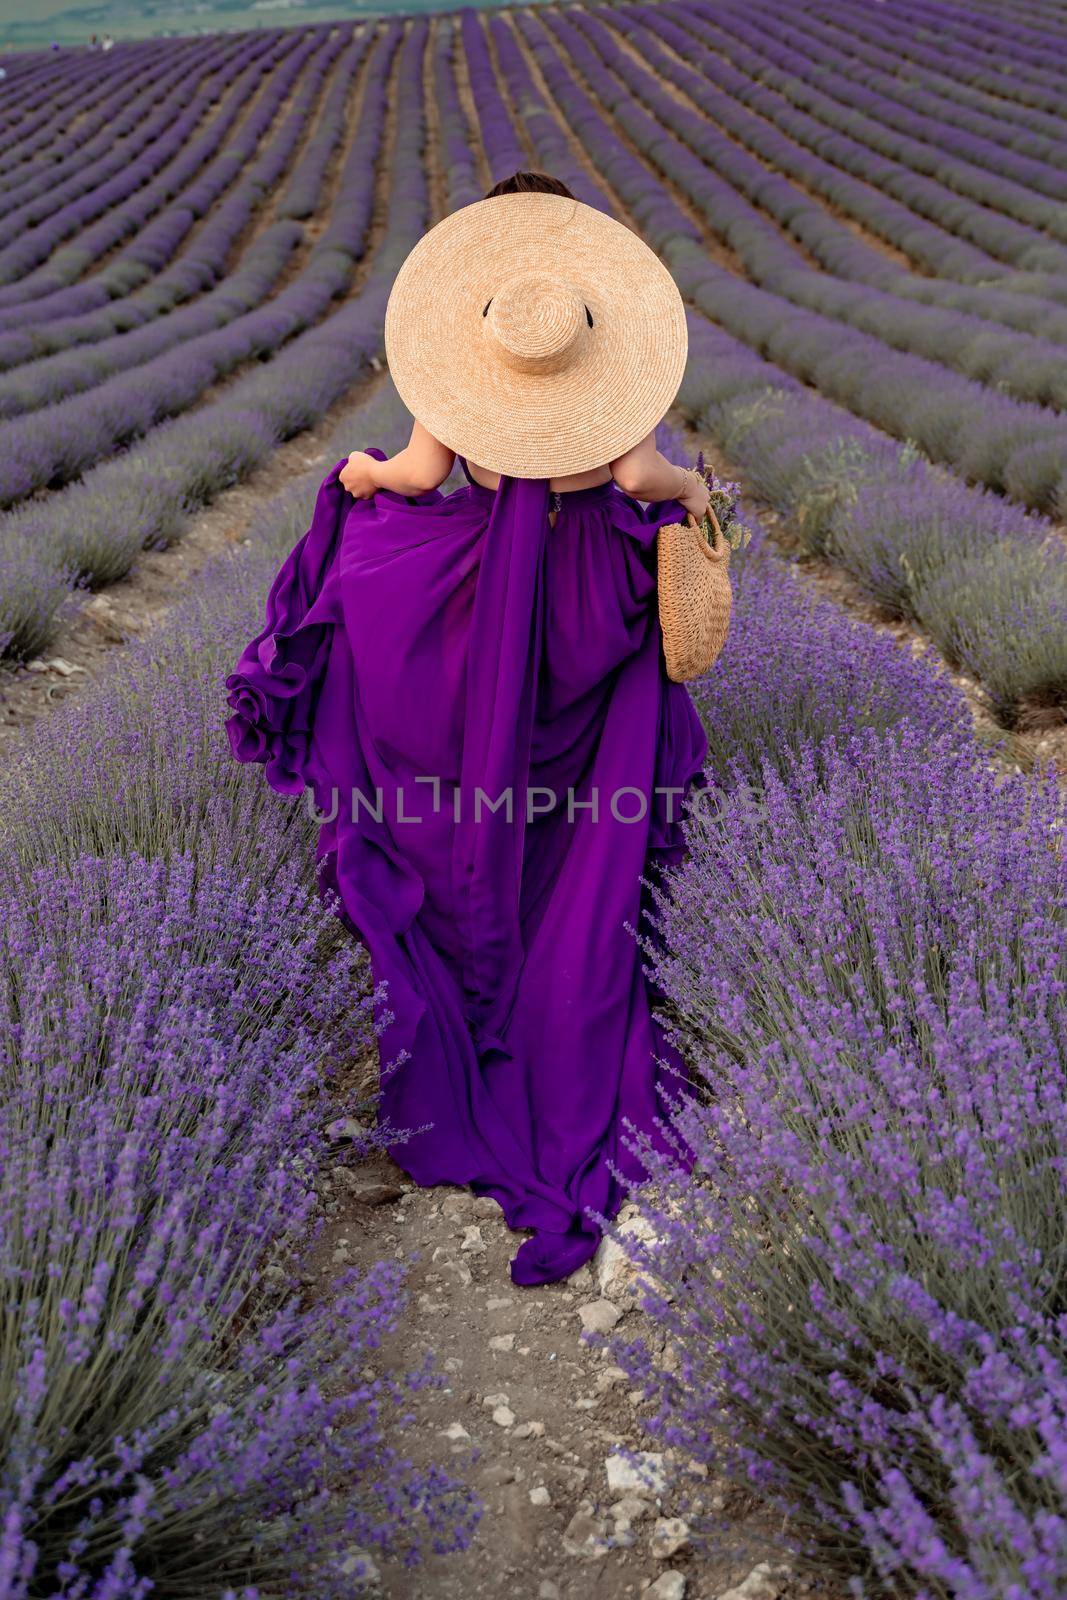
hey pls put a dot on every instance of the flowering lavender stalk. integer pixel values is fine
(864, 1315)
(725, 503)
(172, 1419)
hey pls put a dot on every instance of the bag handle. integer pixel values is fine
(718, 550)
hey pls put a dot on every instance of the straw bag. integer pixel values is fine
(694, 595)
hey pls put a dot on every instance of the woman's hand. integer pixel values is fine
(697, 495)
(357, 475)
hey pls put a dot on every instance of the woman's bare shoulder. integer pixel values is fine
(570, 480)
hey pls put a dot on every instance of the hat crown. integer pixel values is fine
(536, 322)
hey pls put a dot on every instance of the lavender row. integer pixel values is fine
(62, 440)
(929, 140)
(165, 1131)
(988, 582)
(987, 41)
(1034, 135)
(503, 148)
(457, 158)
(987, 437)
(985, 582)
(53, 379)
(1022, 301)
(865, 961)
(993, 83)
(831, 243)
(88, 93)
(1047, 20)
(1013, 363)
(305, 188)
(137, 108)
(40, 224)
(33, 296)
(1006, 222)
(723, 93)
(47, 85)
(145, 496)
(153, 261)
(538, 120)
(33, 78)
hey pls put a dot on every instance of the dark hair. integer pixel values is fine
(529, 183)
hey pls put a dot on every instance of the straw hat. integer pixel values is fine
(534, 335)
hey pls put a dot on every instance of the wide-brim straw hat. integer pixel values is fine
(535, 335)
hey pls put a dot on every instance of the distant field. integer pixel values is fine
(858, 218)
(25, 26)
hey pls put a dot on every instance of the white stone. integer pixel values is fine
(615, 1273)
(627, 1478)
(359, 1561)
(668, 1586)
(540, 1496)
(502, 1341)
(610, 1378)
(631, 1508)
(492, 1400)
(344, 1128)
(472, 1240)
(618, 1276)
(530, 1430)
(585, 1535)
(669, 1535)
(499, 1303)
(599, 1316)
(455, 1430)
(54, 664)
(763, 1583)
(503, 1416)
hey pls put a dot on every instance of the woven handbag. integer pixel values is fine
(694, 595)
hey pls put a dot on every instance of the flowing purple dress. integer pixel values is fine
(418, 650)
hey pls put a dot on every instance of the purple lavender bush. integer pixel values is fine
(795, 670)
(182, 1020)
(861, 1282)
(175, 1423)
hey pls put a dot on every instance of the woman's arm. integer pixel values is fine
(424, 463)
(648, 475)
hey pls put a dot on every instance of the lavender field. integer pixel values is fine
(842, 1339)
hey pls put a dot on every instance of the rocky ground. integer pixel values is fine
(534, 1414)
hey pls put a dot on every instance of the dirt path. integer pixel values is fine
(531, 1415)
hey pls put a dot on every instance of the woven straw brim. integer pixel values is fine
(448, 367)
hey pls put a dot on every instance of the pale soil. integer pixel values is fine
(528, 1408)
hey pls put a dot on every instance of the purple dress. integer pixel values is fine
(423, 658)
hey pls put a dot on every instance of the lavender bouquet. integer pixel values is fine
(725, 503)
